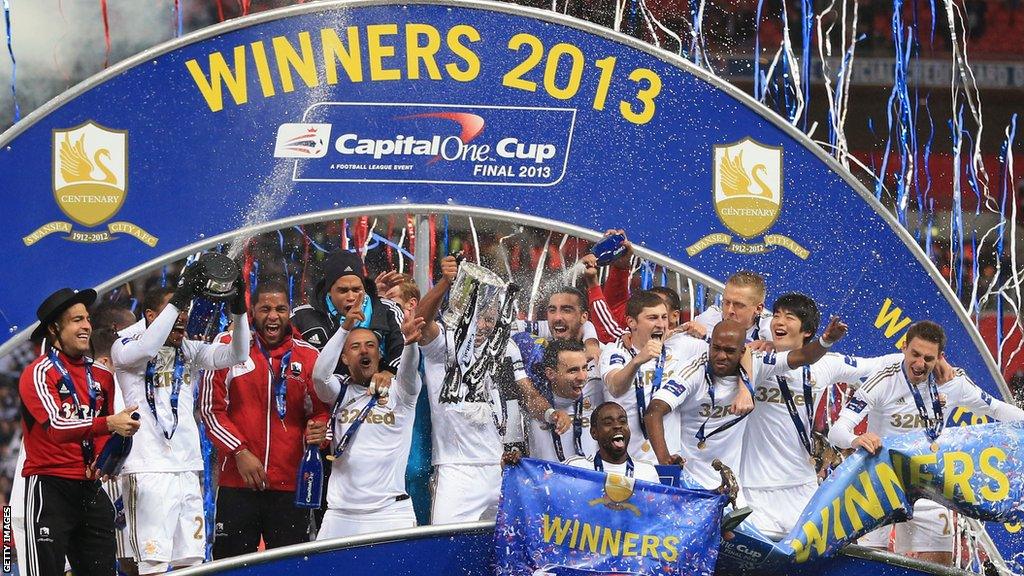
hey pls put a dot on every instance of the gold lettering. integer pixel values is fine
(629, 547)
(951, 479)
(415, 52)
(891, 319)
(335, 52)
(288, 59)
(590, 534)
(987, 467)
(671, 552)
(259, 56)
(555, 528)
(891, 485)
(610, 541)
(221, 75)
(649, 546)
(472, 67)
(378, 52)
(866, 501)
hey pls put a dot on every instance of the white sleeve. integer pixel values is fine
(962, 391)
(327, 360)
(408, 369)
(850, 369)
(513, 354)
(863, 401)
(676, 390)
(769, 364)
(612, 358)
(589, 332)
(218, 355)
(709, 318)
(327, 390)
(127, 352)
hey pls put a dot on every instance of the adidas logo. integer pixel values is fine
(348, 269)
(64, 388)
(314, 339)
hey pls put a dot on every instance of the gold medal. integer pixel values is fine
(646, 446)
(329, 457)
(701, 445)
(935, 446)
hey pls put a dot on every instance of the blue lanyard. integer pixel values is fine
(638, 386)
(87, 446)
(176, 382)
(934, 426)
(346, 438)
(702, 438)
(599, 465)
(787, 396)
(280, 381)
(577, 431)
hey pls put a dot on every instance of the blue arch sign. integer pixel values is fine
(486, 105)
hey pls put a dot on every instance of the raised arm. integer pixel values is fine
(430, 304)
(412, 331)
(817, 348)
(618, 374)
(127, 352)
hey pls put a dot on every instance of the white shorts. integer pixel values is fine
(931, 530)
(465, 493)
(342, 523)
(166, 517)
(121, 530)
(776, 510)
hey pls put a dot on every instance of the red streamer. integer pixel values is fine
(432, 223)
(220, 10)
(359, 236)
(106, 32)
(388, 251)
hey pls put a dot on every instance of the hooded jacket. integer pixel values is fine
(317, 324)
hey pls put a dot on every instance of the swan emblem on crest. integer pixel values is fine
(736, 180)
(76, 166)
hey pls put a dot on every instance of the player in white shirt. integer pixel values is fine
(156, 368)
(372, 425)
(573, 391)
(637, 365)
(905, 396)
(610, 432)
(467, 441)
(743, 302)
(777, 470)
(698, 401)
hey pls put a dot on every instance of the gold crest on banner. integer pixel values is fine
(618, 489)
(747, 193)
(90, 184)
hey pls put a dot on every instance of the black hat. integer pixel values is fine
(343, 263)
(55, 305)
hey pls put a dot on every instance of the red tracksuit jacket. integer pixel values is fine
(238, 407)
(52, 429)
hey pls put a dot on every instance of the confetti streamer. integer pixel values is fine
(106, 33)
(14, 64)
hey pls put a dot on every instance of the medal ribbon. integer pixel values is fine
(350, 432)
(934, 425)
(577, 432)
(794, 414)
(88, 450)
(176, 382)
(279, 382)
(710, 381)
(638, 386)
(599, 465)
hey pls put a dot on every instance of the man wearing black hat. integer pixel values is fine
(345, 287)
(67, 418)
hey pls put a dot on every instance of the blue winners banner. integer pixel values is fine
(560, 520)
(973, 470)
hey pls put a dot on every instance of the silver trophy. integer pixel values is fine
(218, 274)
(489, 294)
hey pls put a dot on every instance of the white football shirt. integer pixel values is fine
(151, 450)
(641, 470)
(762, 330)
(542, 444)
(614, 357)
(775, 456)
(691, 404)
(370, 474)
(463, 433)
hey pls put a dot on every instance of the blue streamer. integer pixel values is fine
(179, 7)
(209, 490)
(14, 64)
(382, 240)
(312, 242)
(444, 242)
